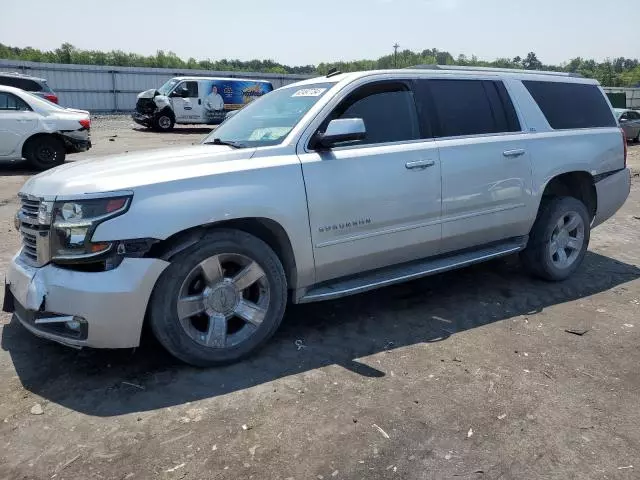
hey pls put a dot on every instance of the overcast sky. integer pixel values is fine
(298, 32)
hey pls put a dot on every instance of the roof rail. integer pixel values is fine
(492, 70)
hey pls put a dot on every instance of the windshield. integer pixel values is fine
(168, 86)
(269, 119)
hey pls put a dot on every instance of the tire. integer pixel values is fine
(164, 122)
(218, 335)
(44, 152)
(547, 236)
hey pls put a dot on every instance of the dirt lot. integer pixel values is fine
(467, 375)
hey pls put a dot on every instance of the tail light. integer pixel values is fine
(51, 97)
(624, 142)
(86, 123)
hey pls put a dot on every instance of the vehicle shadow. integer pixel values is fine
(10, 168)
(107, 383)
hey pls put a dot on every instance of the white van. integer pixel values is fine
(195, 100)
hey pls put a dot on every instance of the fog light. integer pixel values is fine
(75, 324)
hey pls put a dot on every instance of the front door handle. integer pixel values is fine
(514, 153)
(420, 164)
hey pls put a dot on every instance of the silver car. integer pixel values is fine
(630, 123)
(328, 187)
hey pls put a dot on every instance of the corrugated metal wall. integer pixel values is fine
(113, 89)
(632, 94)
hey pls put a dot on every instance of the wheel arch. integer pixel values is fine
(168, 110)
(267, 230)
(578, 184)
(37, 135)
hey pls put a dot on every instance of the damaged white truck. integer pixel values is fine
(40, 131)
(325, 188)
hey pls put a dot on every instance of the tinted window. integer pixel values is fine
(192, 88)
(387, 109)
(571, 105)
(471, 107)
(633, 115)
(22, 83)
(8, 101)
(509, 110)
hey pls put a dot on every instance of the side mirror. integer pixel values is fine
(339, 131)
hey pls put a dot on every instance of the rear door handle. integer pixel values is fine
(420, 164)
(514, 153)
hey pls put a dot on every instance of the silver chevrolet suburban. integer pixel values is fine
(328, 187)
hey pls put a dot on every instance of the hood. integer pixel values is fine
(131, 170)
(152, 92)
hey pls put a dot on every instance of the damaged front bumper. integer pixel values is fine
(83, 309)
(143, 119)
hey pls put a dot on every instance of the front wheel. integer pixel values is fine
(164, 122)
(44, 152)
(558, 240)
(219, 300)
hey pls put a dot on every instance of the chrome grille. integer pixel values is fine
(35, 237)
(30, 208)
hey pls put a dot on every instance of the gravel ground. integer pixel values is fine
(468, 375)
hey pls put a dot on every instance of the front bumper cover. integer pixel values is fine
(113, 303)
(143, 119)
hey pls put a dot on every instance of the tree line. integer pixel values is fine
(616, 72)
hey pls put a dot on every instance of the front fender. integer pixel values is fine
(275, 193)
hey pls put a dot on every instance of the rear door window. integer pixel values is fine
(9, 102)
(571, 105)
(455, 108)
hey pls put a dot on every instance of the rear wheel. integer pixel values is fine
(44, 152)
(220, 300)
(558, 240)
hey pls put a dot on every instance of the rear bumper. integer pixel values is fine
(109, 305)
(75, 142)
(612, 192)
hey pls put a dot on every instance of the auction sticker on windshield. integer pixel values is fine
(309, 92)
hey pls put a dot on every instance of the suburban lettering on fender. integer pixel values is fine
(343, 226)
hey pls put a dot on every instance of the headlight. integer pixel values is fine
(74, 223)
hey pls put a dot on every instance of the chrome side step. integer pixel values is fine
(410, 271)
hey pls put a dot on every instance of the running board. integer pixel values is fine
(410, 271)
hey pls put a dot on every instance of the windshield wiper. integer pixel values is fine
(230, 143)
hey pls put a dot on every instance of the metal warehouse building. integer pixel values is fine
(113, 89)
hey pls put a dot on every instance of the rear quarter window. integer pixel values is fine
(571, 105)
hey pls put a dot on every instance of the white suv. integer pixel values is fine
(39, 130)
(325, 188)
